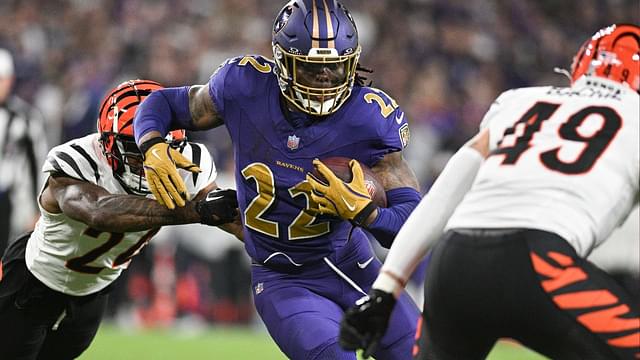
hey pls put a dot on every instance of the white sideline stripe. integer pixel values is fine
(344, 276)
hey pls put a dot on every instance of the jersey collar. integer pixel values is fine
(595, 81)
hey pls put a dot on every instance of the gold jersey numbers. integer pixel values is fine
(375, 96)
(266, 68)
(303, 226)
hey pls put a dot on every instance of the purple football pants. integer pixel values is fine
(303, 311)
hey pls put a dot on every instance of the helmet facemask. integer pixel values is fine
(316, 51)
(126, 161)
(115, 126)
(317, 83)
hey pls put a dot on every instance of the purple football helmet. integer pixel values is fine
(316, 50)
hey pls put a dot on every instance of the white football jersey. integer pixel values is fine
(564, 160)
(69, 256)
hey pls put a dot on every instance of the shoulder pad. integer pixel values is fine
(199, 155)
(379, 114)
(74, 159)
(257, 63)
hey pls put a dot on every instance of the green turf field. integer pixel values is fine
(216, 344)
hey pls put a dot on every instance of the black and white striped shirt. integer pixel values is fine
(23, 147)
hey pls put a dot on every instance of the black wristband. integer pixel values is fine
(362, 216)
(149, 143)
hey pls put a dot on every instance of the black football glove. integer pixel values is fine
(364, 324)
(220, 206)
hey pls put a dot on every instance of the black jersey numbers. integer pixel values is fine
(595, 144)
(81, 263)
(531, 122)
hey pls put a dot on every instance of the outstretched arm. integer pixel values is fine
(171, 108)
(96, 207)
(364, 324)
(426, 223)
(190, 108)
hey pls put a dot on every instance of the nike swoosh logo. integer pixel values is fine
(214, 198)
(155, 153)
(399, 119)
(349, 206)
(364, 264)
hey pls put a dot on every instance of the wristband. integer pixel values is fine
(148, 144)
(362, 216)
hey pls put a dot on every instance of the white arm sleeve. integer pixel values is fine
(425, 224)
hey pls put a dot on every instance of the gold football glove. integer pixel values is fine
(161, 163)
(349, 201)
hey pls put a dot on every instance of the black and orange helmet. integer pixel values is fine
(612, 53)
(115, 126)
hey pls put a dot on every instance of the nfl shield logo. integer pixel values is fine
(371, 188)
(293, 142)
(259, 288)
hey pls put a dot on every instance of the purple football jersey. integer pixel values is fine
(273, 156)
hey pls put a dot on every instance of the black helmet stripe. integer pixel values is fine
(91, 162)
(128, 91)
(625, 34)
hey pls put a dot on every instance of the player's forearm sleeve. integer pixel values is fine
(401, 202)
(163, 110)
(427, 221)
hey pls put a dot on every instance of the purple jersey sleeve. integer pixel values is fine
(383, 119)
(232, 82)
(396, 134)
(217, 88)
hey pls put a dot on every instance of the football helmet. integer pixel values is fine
(612, 53)
(115, 126)
(316, 51)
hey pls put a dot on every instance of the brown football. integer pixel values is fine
(340, 167)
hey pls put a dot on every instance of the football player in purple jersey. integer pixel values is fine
(311, 257)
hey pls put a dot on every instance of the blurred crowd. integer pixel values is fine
(444, 61)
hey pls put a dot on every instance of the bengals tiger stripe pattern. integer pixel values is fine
(592, 303)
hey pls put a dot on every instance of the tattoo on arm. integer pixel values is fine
(203, 110)
(132, 213)
(394, 172)
(104, 211)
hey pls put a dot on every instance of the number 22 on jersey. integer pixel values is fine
(302, 227)
(532, 121)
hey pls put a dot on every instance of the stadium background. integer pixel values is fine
(444, 61)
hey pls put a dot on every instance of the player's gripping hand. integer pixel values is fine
(220, 206)
(161, 163)
(363, 325)
(349, 201)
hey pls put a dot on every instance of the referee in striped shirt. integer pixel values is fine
(22, 151)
